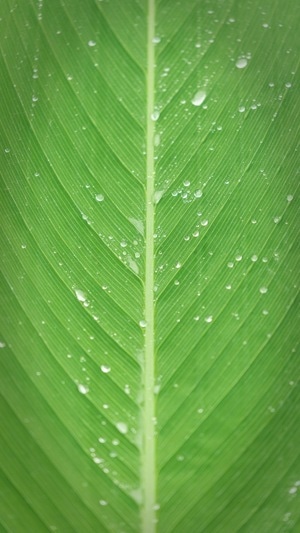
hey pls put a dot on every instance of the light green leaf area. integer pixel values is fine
(149, 266)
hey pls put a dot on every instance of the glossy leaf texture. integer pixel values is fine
(119, 118)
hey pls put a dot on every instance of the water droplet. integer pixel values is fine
(288, 85)
(230, 264)
(293, 490)
(254, 258)
(105, 369)
(2, 344)
(83, 389)
(99, 197)
(122, 427)
(204, 222)
(238, 257)
(156, 40)
(157, 196)
(34, 98)
(289, 197)
(242, 109)
(92, 43)
(208, 319)
(101, 440)
(178, 265)
(198, 193)
(115, 442)
(228, 287)
(103, 502)
(155, 115)
(263, 290)
(198, 98)
(123, 244)
(276, 219)
(80, 295)
(97, 460)
(143, 323)
(241, 63)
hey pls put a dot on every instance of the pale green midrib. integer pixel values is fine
(148, 456)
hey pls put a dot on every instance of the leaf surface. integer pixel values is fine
(149, 288)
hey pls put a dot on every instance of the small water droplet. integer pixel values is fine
(105, 369)
(208, 319)
(204, 222)
(83, 389)
(91, 43)
(143, 323)
(198, 98)
(155, 115)
(254, 258)
(2, 344)
(99, 197)
(103, 502)
(241, 62)
(80, 295)
(276, 219)
(242, 109)
(289, 197)
(198, 193)
(238, 257)
(156, 39)
(122, 427)
(263, 290)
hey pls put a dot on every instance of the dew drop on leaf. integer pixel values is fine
(122, 427)
(99, 197)
(198, 98)
(80, 295)
(83, 389)
(105, 369)
(241, 62)
(263, 290)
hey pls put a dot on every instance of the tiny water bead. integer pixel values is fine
(91, 43)
(198, 193)
(103, 502)
(155, 115)
(198, 98)
(143, 323)
(83, 389)
(208, 319)
(99, 197)
(105, 369)
(2, 344)
(241, 62)
(263, 290)
(289, 197)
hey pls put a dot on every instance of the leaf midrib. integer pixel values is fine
(148, 473)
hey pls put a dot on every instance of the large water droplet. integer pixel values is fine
(241, 62)
(198, 98)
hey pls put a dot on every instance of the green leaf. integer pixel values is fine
(149, 297)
